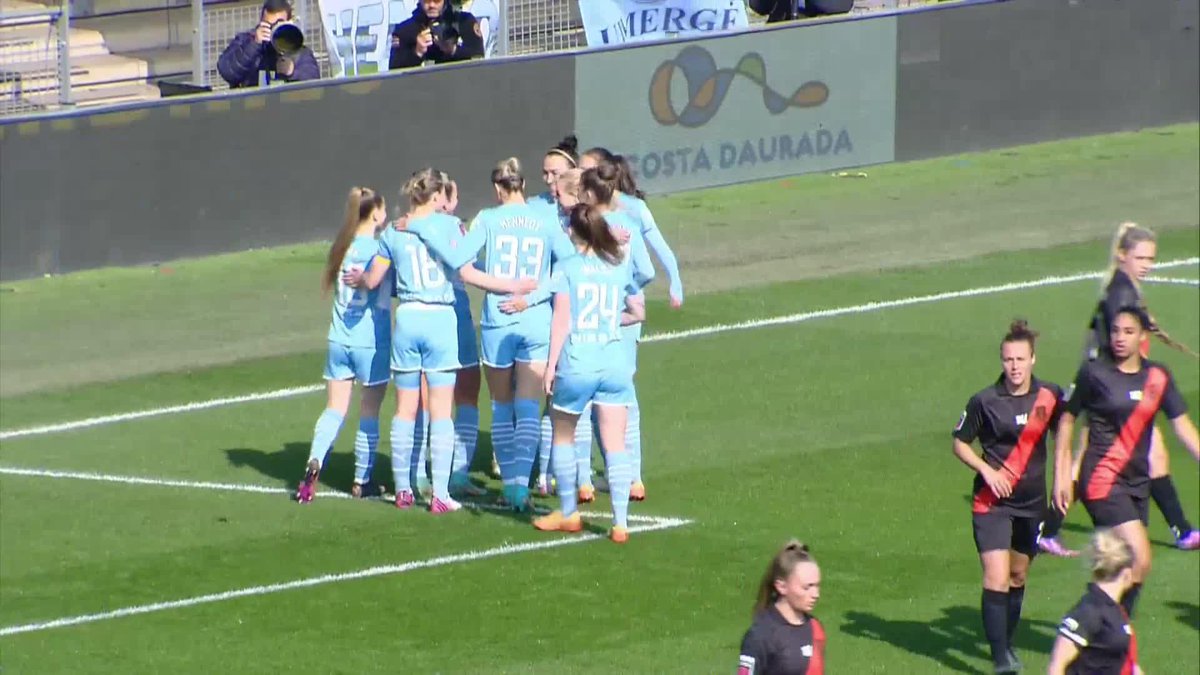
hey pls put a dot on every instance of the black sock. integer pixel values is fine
(1052, 523)
(1129, 600)
(1162, 489)
(994, 605)
(1016, 596)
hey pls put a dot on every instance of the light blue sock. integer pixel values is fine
(633, 441)
(528, 432)
(441, 455)
(564, 473)
(619, 480)
(545, 447)
(365, 443)
(326, 431)
(466, 435)
(583, 448)
(503, 433)
(403, 432)
(418, 472)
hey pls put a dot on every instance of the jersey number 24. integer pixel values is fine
(599, 309)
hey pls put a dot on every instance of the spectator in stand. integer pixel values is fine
(788, 10)
(251, 54)
(436, 32)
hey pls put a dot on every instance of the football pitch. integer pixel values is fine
(153, 422)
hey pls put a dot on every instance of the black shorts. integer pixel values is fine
(1002, 531)
(1117, 508)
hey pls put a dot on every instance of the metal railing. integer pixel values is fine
(35, 40)
(35, 63)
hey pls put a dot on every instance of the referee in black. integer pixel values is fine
(1010, 420)
(1096, 637)
(436, 32)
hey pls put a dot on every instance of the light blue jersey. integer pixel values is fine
(520, 241)
(592, 367)
(425, 258)
(544, 203)
(597, 290)
(654, 240)
(638, 258)
(362, 317)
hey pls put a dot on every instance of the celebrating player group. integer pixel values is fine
(563, 274)
(1121, 464)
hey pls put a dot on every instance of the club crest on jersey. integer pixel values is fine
(1135, 395)
(1041, 413)
(1022, 419)
(807, 651)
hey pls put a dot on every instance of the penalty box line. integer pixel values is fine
(384, 570)
(656, 337)
(266, 489)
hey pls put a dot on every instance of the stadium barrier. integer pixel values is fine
(187, 177)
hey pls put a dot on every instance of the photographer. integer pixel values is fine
(436, 32)
(252, 58)
(789, 10)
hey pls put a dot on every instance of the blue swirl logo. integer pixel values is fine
(708, 85)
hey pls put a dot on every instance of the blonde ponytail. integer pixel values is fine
(1129, 234)
(1108, 554)
(507, 175)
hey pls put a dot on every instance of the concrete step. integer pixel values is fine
(87, 98)
(34, 43)
(91, 73)
(137, 32)
(172, 64)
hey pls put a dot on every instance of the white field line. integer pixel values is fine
(657, 337)
(1177, 281)
(441, 561)
(261, 489)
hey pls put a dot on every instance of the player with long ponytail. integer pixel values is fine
(1131, 257)
(359, 340)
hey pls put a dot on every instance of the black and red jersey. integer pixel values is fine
(773, 646)
(1101, 630)
(1012, 432)
(1120, 409)
(1120, 293)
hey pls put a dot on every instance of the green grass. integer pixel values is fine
(121, 323)
(835, 431)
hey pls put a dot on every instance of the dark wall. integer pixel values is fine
(178, 179)
(1023, 71)
(149, 184)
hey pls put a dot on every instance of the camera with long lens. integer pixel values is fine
(286, 37)
(445, 27)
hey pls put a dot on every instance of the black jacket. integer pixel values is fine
(785, 10)
(470, 40)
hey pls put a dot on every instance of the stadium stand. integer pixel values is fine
(120, 49)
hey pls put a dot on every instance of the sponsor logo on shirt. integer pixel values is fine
(745, 665)
(806, 650)
(1022, 420)
(1135, 395)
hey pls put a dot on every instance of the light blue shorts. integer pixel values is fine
(468, 344)
(521, 341)
(573, 391)
(368, 365)
(425, 340)
(629, 343)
